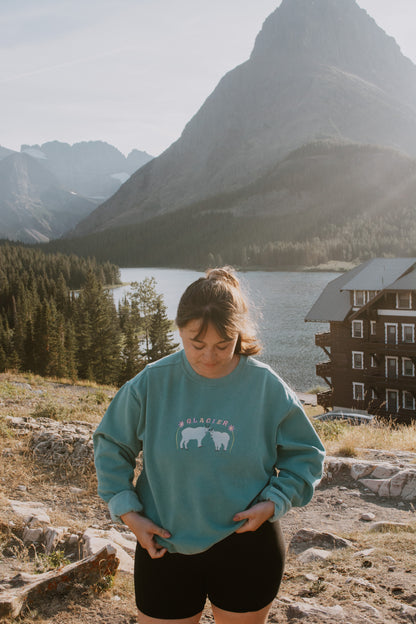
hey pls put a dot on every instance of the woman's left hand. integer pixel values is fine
(254, 516)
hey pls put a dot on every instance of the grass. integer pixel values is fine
(341, 438)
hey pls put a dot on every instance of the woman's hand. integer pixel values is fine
(254, 516)
(145, 531)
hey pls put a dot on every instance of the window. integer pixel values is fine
(358, 391)
(359, 297)
(392, 367)
(391, 333)
(408, 333)
(371, 294)
(408, 367)
(408, 400)
(392, 401)
(357, 329)
(357, 359)
(373, 362)
(373, 328)
(404, 300)
(373, 395)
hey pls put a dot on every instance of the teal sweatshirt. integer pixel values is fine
(211, 448)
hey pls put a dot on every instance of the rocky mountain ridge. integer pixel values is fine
(46, 189)
(34, 207)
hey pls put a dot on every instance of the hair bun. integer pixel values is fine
(223, 274)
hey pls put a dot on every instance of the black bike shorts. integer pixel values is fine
(241, 573)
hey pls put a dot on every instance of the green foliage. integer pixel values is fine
(49, 410)
(47, 329)
(51, 561)
(329, 430)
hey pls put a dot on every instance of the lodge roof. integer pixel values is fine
(334, 303)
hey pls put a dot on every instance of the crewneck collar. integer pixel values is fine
(215, 381)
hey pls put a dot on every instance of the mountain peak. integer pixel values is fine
(332, 33)
(320, 69)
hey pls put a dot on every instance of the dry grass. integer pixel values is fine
(383, 437)
(341, 438)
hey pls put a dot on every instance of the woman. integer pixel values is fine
(227, 451)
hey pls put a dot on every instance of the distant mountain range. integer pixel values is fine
(46, 190)
(322, 73)
(303, 154)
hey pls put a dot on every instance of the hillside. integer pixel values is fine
(319, 70)
(322, 202)
(368, 576)
(45, 190)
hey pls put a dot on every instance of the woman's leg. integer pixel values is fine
(168, 589)
(229, 617)
(245, 572)
(145, 619)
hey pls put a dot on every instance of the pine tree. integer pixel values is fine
(160, 333)
(98, 333)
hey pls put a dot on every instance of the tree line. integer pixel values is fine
(58, 319)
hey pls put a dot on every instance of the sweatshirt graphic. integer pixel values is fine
(211, 448)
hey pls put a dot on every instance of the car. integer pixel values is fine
(352, 418)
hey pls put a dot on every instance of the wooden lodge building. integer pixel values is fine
(371, 343)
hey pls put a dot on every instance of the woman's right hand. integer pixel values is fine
(145, 531)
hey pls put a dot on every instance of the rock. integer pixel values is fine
(31, 512)
(94, 540)
(360, 470)
(313, 554)
(367, 517)
(27, 588)
(402, 484)
(408, 611)
(32, 536)
(365, 553)
(364, 606)
(307, 538)
(52, 536)
(305, 610)
(382, 526)
(361, 582)
(312, 578)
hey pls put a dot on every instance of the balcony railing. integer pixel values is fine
(324, 399)
(323, 369)
(399, 382)
(323, 339)
(402, 348)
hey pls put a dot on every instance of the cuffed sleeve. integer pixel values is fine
(299, 464)
(122, 503)
(117, 443)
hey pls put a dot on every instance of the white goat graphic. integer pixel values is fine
(193, 433)
(221, 439)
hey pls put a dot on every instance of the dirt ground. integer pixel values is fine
(373, 580)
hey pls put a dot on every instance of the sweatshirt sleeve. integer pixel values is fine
(116, 447)
(299, 464)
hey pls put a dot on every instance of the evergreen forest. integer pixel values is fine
(58, 318)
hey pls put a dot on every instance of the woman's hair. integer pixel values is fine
(217, 298)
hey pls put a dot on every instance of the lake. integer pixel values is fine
(281, 300)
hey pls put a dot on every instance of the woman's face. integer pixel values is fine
(209, 355)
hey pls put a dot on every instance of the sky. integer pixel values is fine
(131, 72)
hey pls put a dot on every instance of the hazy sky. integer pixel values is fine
(131, 72)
